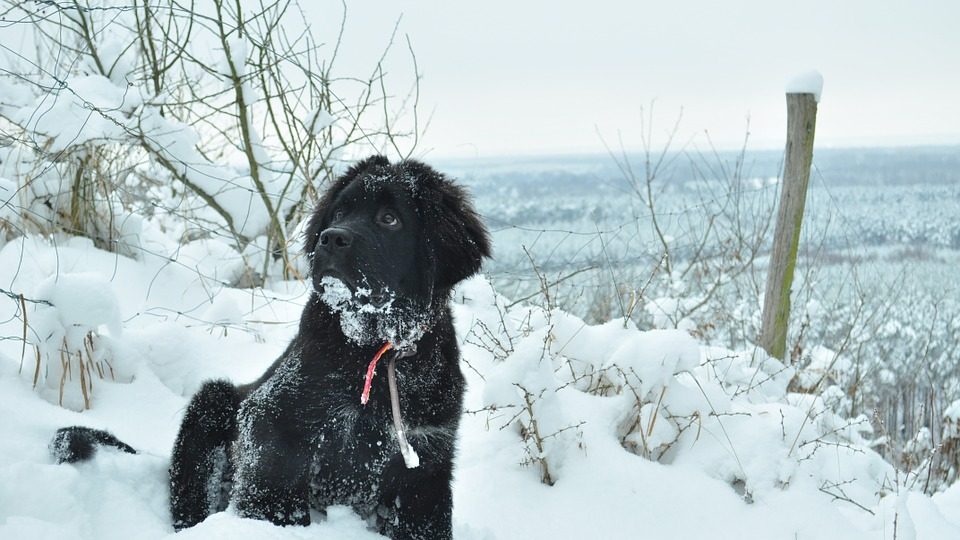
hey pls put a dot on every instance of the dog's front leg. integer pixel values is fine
(417, 503)
(271, 460)
(199, 465)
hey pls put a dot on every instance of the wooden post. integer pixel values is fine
(801, 125)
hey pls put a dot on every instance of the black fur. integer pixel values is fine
(298, 438)
(200, 468)
(77, 443)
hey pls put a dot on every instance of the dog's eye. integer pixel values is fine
(389, 219)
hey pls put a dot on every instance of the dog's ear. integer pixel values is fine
(460, 240)
(319, 217)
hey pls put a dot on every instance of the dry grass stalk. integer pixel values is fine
(83, 380)
(65, 366)
(86, 367)
(36, 371)
(23, 350)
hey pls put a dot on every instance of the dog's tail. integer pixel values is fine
(79, 443)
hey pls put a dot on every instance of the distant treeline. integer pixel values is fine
(588, 174)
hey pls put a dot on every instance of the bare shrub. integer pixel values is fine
(229, 117)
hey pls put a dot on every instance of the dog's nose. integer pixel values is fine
(336, 238)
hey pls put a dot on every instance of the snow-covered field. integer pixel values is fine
(643, 433)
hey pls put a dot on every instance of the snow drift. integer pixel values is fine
(571, 431)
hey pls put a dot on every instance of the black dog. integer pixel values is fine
(387, 244)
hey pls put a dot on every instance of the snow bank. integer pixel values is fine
(80, 303)
(642, 433)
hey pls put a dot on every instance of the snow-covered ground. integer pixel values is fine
(644, 433)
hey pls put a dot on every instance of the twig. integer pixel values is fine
(20, 298)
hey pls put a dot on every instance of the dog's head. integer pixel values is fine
(393, 239)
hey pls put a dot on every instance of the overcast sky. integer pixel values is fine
(535, 77)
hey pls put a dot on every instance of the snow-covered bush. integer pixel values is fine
(227, 118)
(896, 343)
(563, 390)
(72, 331)
(948, 454)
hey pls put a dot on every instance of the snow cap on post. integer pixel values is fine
(808, 82)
